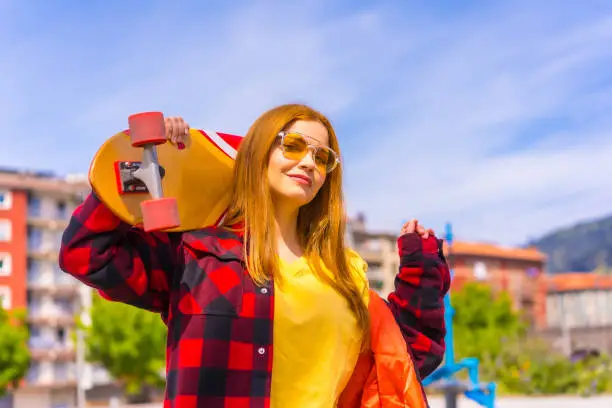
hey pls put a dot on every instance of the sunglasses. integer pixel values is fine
(295, 147)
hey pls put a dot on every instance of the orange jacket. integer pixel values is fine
(385, 376)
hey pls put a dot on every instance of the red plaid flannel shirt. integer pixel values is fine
(220, 324)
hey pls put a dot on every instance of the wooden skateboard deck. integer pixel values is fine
(198, 177)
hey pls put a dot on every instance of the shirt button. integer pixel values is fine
(264, 290)
(261, 351)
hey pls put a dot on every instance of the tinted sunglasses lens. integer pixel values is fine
(295, 147)
(325, 159)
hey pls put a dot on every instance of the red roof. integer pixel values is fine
(578, 281)
(496, 251)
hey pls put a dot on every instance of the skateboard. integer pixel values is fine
(150, 183)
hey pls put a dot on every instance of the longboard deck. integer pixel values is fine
(198, 176)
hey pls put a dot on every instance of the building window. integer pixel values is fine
(5, 230)
(480, 270)
(35, 238)
(62, 210)
(5, 297)
(6, 200)
(34, 207)
(376, 284)
(61, 335)
(533, 272)
(5, 264)
(33, 373)
(375, 272)
(373, 245)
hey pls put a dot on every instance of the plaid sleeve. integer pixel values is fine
(123, 263)
(418, 299)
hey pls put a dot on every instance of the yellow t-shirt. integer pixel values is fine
(316, 339)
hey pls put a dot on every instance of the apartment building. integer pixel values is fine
(579, 311)
(34, 210)
(519, 271)
(378, 249)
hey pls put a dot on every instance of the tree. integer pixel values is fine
(484, 323)
(130, 343)
(487, 327)
(14, 352)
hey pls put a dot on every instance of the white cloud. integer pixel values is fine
(434, 114)
(445, 159)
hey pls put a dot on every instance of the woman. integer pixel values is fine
(270, 308)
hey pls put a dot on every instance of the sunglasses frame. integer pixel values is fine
(282, 134)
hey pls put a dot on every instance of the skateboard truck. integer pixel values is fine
(127, 182)
(149, 171)
(147, 130)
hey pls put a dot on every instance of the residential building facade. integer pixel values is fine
(379, 250)
(579, 311)
(34, 210)
(516, 271)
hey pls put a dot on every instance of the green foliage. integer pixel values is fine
(527, 366)
(483, 323)
(595, 375)
(14, 352)
(128, 342)
(486, 327)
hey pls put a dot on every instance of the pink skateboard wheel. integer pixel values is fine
(147, 128)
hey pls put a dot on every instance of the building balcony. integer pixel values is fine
(43, 253)
(48, 223)
(43, 243)
(45, 374)
(69, 291)
(45, 216)
(39, 282)
(51, 349)
(376, 274)
(56, 284)
(64, 372)
(37, 316)
(54, 354)
(50, 384)
(62, 279)
(371, 255)
(42, 342)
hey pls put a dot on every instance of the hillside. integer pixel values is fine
(581, 248)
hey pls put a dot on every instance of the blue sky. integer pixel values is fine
(493, 115)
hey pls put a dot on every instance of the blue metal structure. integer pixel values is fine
(444, 377)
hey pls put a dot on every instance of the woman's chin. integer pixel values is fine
(295, 197)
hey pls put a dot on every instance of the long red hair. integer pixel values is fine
(321, 223)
